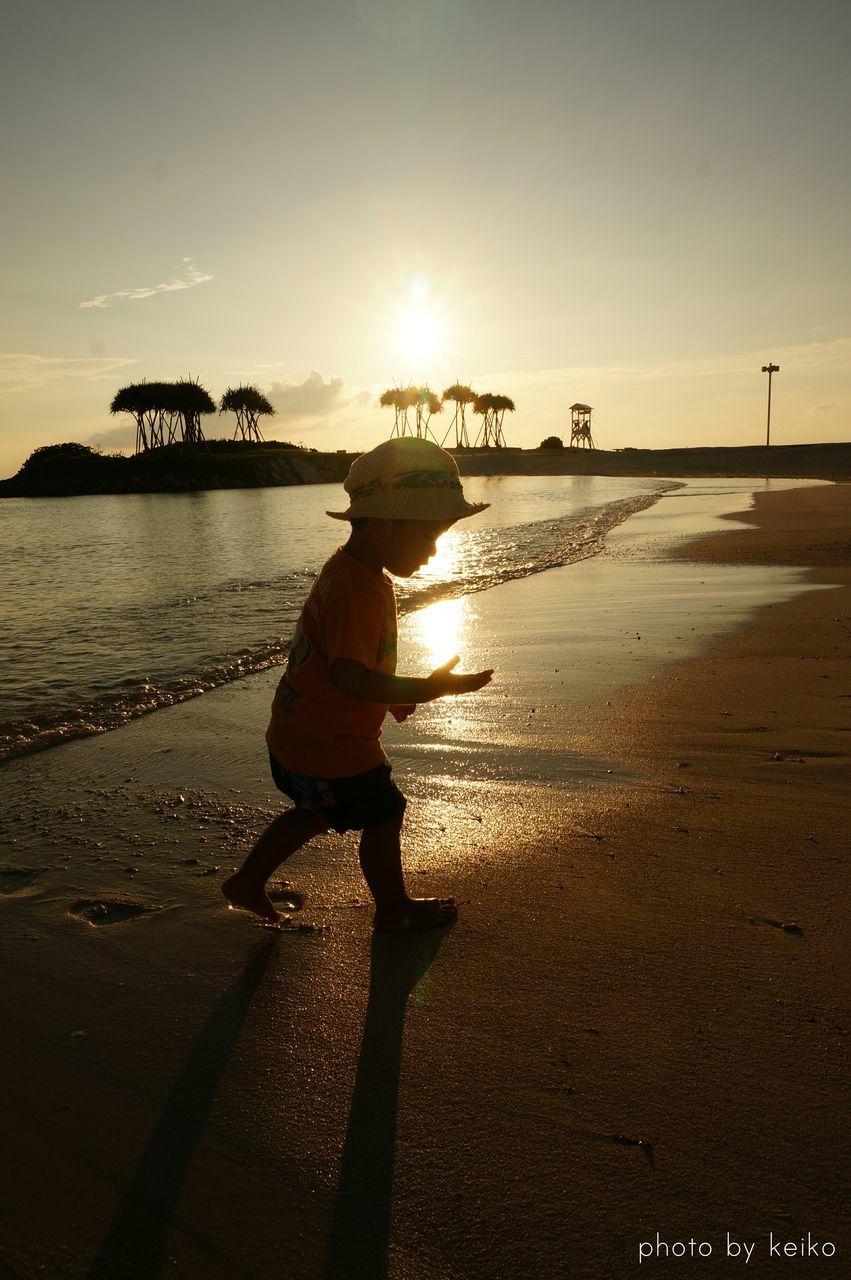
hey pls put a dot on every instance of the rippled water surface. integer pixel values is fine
(113, 606)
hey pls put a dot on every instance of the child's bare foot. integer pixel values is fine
(417, 913)
(248, 896)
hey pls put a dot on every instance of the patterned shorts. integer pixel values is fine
(358, 803)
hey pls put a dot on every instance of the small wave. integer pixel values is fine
(293, 580)
(492, 556)
(130, 700)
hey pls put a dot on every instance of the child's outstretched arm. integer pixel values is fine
(358, 681)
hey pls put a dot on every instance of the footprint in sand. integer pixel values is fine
(286, 899)
(622, 1140)
(15, 879)
(109, 910)
(788, 926)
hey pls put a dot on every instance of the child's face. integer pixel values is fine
(406, 545)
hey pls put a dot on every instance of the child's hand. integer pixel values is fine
(400, 713)
(443, 682)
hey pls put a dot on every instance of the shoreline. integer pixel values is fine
(790, 461)
(221, 465)
(637, 1024)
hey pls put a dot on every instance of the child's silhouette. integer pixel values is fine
(340, 682)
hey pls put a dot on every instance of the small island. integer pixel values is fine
(64, 470)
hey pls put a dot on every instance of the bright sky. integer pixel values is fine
(631, 203)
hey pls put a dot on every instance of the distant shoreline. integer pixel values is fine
(220, 465)
(788, 461)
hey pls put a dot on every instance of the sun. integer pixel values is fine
(418, 334)
(419, 329)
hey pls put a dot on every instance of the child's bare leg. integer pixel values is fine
(289, 831)
(381, 863)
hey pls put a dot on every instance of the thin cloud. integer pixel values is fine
(121, 437)
(191, 277)
(315, 398)
(254, 371)
(803, 358)
(20, 371)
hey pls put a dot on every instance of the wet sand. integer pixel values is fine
(636, 1025)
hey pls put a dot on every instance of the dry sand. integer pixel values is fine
(636, 1025)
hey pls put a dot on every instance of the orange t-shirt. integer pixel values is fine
(316, 730)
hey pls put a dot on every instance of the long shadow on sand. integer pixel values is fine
(359, 1239)
(134, 1245)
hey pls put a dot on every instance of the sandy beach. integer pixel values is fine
(637, 1026)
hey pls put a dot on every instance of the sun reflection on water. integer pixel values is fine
(449, 726)
(445, 563)
(440, 631)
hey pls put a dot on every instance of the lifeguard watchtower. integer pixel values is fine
(580, 427)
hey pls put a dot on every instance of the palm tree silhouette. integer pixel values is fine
(426, 404)
(492, 410)
(191, 400)
(500, 405)
(161, 411)
(461, 396)
(400, 399)
(130, 399)
(390, 399)
(248, 403)
(150, 404)
(164, 411)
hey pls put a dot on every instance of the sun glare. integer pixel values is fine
(418, 335)
(419, 329)
(440, 630)
(443, 564)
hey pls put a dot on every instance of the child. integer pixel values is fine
(340, 682)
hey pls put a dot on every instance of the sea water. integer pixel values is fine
(114, 606)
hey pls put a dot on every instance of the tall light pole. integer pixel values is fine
(769, 369)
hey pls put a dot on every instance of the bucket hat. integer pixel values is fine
(406, 478)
